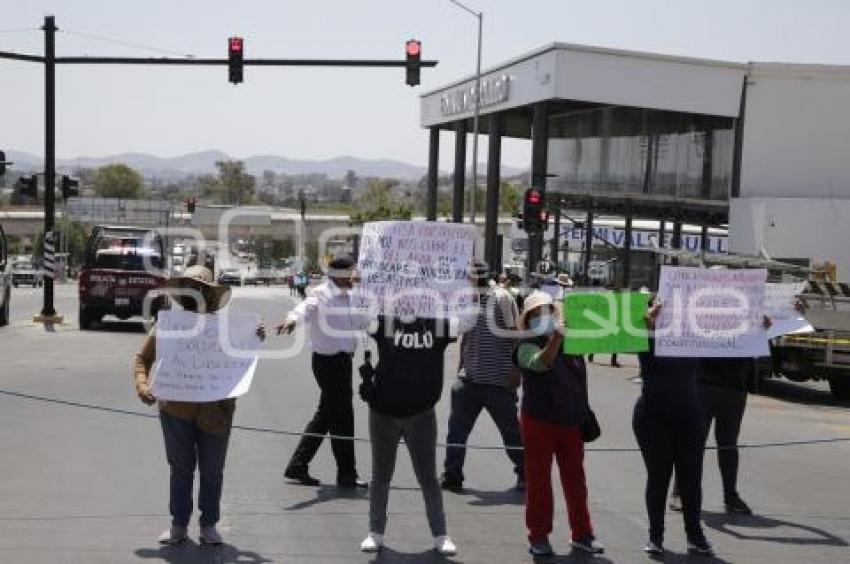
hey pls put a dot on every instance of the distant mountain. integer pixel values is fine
(204, 163)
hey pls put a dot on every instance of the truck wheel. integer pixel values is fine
(87, 319)
(840, 387)
(4, 313)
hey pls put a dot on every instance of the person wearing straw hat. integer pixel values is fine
(554, 407)
(195, 434)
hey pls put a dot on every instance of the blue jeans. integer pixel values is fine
(187, 447)
(467, 402)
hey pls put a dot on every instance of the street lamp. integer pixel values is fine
(480, 17)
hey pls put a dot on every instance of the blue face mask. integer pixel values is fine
(542, 324)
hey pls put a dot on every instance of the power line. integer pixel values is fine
(127, 43)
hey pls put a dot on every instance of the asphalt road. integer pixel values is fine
(90, 486)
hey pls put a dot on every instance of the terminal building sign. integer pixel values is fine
(494, 90)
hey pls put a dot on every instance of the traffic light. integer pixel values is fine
(28, 186)
(413, 51)
(2, 163)
(532, 206)
(70, 187)
(235, 59)
(190, 205)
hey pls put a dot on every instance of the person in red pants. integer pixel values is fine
(554, 405)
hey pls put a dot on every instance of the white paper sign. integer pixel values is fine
(192, 363)
(711, 313)
(415, 268)
(779, 307)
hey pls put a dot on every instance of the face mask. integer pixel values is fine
(542, 325)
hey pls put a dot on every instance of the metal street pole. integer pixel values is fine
(48, 311)
(477, 111)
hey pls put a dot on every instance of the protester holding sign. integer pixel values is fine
(195, 433)
(554, 408)
(333, 325)
(487, 380)
(668, 424)
(408, 382)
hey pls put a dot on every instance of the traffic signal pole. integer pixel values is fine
(48, 311)
(50, 60)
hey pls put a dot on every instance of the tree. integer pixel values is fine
(118, 181)
(510, 197)
(237, 185)
(379, 203)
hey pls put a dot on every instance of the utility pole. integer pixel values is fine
(48, 312)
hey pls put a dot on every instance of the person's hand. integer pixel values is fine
(515, 378)
(766, 322)
(261, 332)
(366, 391)
(286, 328)
(801, 305)
(652, 315)
(145, 394)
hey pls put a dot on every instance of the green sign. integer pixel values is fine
(605, 322)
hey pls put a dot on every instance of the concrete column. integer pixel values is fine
(494, 162)
(433, 172)
(460, 172)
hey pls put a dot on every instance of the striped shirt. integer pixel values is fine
(487, 350)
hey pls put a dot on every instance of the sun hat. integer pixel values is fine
(197, 275)
(535, 300)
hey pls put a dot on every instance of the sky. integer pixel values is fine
(317, 113)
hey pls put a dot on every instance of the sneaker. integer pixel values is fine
(589, 544)
(210, 535)
(444, 546)
(451, 483)
(734, 504)
(675, 503)
(301, 475)
(372, 543)
(541, 549)
(701, 546)
(174, 535)
(353, 482)
(653, 549)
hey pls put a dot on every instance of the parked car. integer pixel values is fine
(123, 269)
(230, 277)
(5, 280)
(24, 272)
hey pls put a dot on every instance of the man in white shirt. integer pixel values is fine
(333, 327)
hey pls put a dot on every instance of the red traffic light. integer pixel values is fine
(533, 197)
(413, 48)
(235, 44)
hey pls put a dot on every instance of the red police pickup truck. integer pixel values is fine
(124, 268)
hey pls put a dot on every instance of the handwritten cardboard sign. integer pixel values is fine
(779, 307)
(192, 363)
(605, 322)
(711, 313)
(415, 268)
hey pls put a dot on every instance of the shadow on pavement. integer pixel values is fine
(755, 527)
(572, 558)
(190, 553)
(512, 496)
(327, 493)
(121, 327)
(389, 556)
